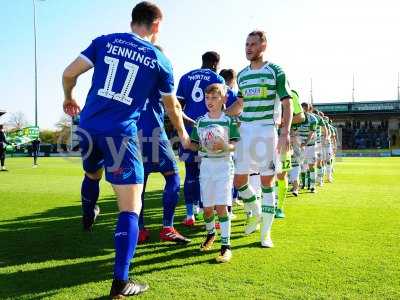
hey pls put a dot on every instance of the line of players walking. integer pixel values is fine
(304, 166)
(130, 76)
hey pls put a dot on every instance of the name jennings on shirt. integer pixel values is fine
(131, 54)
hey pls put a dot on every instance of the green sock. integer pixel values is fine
(282, 189)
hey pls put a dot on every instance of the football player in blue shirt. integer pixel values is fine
(191, 95)
(229, 76)
(158, 156)
(128, 69)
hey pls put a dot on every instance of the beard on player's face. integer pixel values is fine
(255, 55)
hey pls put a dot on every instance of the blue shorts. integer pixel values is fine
(158, 156)
(119, 155)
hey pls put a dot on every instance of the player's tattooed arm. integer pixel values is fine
(69, 78)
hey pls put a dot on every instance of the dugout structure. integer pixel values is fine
(365, 125)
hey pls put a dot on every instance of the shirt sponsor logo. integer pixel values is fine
(251, 92)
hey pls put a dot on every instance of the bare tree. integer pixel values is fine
(17, 120)
(65, 122)
(63, 133)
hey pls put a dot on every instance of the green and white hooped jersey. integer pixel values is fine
(230, 128)
(310, 124)
(320, 124)
(262, 90)
(332, 133)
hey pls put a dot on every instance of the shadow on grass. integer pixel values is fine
(56, 235)
(54, 238)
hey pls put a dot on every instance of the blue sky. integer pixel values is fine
(323, 40)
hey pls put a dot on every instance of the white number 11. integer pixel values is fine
(107, 92)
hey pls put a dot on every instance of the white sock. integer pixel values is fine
(329, 171)
(268, 210)
(312, 178)
(225, 230)
(249, 198)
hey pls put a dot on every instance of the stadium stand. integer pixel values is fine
(365, 125)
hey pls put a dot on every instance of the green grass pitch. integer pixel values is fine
(341, 243)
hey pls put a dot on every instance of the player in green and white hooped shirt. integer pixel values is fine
(282, 178)
(216, 168)
(262, 87)
(321, 139)
(296, 161)
(330, 149)
(325, 147)
(307, 134)
(335, 145)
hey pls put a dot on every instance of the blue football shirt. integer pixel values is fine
(151, 120)
(127, 71)
(191, 91)
(231, 96)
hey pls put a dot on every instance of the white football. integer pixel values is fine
(209, 134)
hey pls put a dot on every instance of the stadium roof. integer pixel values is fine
(359, 107)
(2, 112)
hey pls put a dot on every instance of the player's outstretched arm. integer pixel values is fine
(175, 114)
(284, 136)
(69, 77)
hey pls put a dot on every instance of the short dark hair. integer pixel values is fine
(228, 74)
(210, 58)
(305, 106)
(145, 13)
(261, 34)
